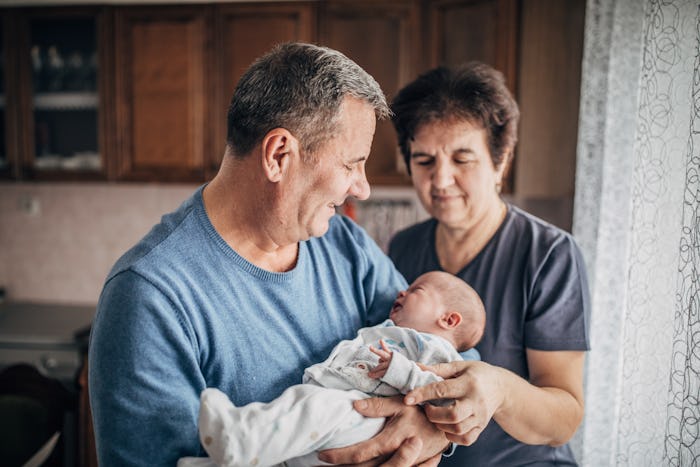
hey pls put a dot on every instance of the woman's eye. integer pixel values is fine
(423, 162)
(465, 160)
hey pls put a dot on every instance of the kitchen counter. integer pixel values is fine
(51, 337)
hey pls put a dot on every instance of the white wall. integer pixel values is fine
(58, 241)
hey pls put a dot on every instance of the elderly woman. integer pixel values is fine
(457, 129)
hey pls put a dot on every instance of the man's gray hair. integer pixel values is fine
(298, 87)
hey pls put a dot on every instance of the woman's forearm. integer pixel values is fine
(549, 408)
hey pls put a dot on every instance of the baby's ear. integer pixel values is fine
(452, 319)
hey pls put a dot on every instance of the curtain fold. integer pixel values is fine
(637, 220)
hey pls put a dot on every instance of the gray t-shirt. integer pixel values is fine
(532, 280)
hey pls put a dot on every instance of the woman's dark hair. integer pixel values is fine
(473, 92)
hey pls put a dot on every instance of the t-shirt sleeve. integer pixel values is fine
(559, 307)
(144, 377)
(411, 250)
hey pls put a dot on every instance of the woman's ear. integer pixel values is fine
(279, 147)
(451, 319)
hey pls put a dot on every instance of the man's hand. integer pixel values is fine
(384, 355)
(407, 439)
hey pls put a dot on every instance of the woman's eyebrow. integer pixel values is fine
(456, 151)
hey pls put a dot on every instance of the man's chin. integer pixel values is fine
(319, 229)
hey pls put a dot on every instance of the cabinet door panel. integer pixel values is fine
(484, 30)
(381, 38)
(550, 80)
(247, 31)
(251, 30)
(161, 92)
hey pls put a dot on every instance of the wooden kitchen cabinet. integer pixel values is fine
(161, 88)
(394, 40)
(383, 38)
(165, 75)
(54, 106)
(484, 30)
(245, 31)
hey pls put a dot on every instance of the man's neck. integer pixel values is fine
(242, 221)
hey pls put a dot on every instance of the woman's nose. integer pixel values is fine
(442, 175)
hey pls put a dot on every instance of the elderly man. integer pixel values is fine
(254, 277)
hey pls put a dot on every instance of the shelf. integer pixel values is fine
(78, 161)
(66, 101)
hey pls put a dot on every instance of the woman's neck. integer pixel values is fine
(456, 247)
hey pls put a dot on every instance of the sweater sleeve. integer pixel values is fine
(137, 337)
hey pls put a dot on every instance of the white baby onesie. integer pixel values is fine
(318, 415)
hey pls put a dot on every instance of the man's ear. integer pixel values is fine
(279, 148)
(451, 319)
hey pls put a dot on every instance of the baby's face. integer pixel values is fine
(419, 307)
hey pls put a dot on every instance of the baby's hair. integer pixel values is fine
(458, 296)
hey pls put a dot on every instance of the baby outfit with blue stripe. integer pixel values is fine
(318, 414)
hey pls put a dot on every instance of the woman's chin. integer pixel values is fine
(448, 216)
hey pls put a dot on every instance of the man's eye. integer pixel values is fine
(423, 162)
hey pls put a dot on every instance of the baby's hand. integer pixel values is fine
(384, 355)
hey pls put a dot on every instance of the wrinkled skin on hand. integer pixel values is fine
(407, 439)
(475, 389)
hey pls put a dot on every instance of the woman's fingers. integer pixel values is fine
(446, 389)
(466, 439)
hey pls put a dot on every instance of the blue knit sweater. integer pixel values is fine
(182, 311)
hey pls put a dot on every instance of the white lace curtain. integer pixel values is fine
(637, 219)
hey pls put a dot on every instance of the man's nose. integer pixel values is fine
(360, 189)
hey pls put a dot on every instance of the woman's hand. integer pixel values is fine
(407, 439)
(547, 409)
(474, 386)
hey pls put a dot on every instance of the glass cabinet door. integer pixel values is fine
(64, 60)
